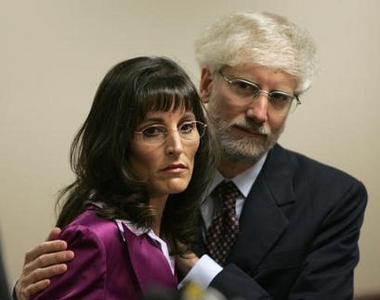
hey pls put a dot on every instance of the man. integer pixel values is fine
(294, 223)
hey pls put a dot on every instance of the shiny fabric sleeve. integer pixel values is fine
(86, 274)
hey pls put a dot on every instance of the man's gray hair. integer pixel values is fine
(261, 38)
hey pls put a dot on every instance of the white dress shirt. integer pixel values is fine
(205, 270)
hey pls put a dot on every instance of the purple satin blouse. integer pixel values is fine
(106, 265)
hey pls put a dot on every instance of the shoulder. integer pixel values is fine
(303, 166)
(90, 228)
(98, 257)
(320, 184)
(318, 193)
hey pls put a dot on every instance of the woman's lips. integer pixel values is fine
(175, 168)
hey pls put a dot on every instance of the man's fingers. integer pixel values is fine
(48, 261)
(42, 274)
(34, 288)
(34, 279)
(37, 280)
(45, 247)
(41, 263)
(53, 234)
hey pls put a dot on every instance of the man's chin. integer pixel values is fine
(243, 156)
(245, 152)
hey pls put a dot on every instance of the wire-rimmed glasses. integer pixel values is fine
(156, 134)
(247, 91)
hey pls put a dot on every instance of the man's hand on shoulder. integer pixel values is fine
(41, 263)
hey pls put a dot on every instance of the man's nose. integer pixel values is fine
(258, 108)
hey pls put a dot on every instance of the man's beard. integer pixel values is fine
(241, 148)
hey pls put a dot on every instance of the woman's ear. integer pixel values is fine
(205, 85)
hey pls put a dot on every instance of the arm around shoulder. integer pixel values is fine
(84, 277)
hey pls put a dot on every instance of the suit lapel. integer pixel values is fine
(262, 221)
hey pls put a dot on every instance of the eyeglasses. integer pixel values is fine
(278, 102)
(157, 133)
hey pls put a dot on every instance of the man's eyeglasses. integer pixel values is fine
(278, 102)
(157, 133)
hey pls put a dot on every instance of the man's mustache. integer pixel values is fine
(251, 126)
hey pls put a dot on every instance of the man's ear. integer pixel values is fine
(205, 85)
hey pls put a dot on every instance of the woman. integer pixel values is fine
(134, 198)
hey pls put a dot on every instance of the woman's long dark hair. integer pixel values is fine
(100, 151)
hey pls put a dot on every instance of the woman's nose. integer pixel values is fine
(174, 143)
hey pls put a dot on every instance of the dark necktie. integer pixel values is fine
(224, 227)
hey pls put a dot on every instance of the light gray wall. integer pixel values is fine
(53, 54)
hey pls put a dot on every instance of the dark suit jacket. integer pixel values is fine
(299, 232)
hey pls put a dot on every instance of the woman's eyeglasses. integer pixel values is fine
(157, 133)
